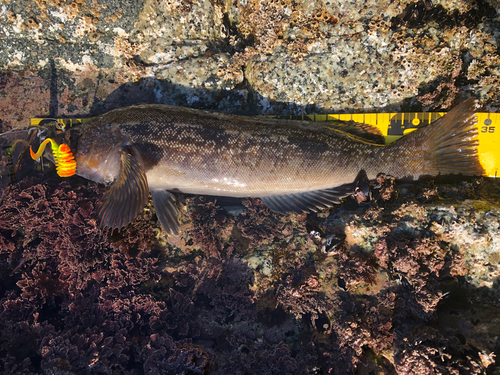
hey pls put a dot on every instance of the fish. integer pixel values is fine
(292, 166)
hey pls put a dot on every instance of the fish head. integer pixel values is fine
(97, 151)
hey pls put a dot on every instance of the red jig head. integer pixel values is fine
(63, 157)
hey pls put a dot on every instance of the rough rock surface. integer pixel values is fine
(410, 282)
(82, 57)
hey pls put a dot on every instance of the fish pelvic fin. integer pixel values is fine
(127, 195)
(448, 145)
(166, 210)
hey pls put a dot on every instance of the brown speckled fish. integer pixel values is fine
(291, 165)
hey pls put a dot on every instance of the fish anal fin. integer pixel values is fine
(166, 210)
(310, 201)
(313, 201)
(127, 195)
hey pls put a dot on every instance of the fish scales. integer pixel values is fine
(198, 152)
(240, 156)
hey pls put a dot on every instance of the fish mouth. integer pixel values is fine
(83, 161)
(101, 166)
(85, 167)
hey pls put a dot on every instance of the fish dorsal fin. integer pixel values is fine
(357, 130)
(312, 201)
(127, 195)
(166, 210)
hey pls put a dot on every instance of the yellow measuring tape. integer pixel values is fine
(392, 127)
(395, 125)
(65, 122)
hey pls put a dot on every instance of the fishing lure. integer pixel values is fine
(63, 157)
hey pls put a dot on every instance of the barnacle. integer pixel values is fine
(63, 157)
(419, 13)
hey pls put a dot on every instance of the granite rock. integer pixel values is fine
(73, 58)
(412, 285)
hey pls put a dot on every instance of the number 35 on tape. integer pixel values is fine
(395, 125)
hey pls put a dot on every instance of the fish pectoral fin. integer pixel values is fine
(311, 201)
(127, 195)
(166, 210)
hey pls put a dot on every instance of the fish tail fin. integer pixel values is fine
(449, 144)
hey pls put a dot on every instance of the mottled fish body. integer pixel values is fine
(291, 165)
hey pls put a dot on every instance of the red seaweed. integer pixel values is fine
(77, 299)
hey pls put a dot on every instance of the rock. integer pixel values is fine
(412, 283)
(74, 58)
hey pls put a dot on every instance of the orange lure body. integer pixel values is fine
(63, 157)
